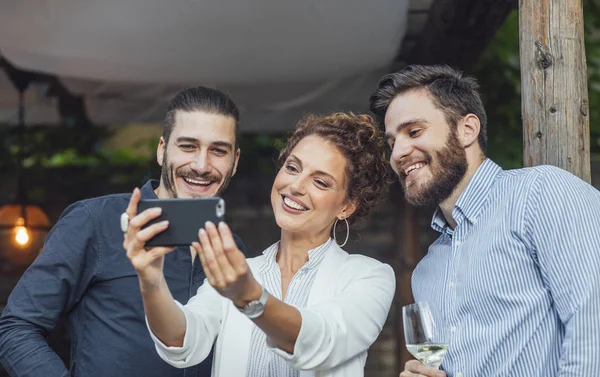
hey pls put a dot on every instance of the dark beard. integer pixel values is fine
(168, 173)
(449, 169)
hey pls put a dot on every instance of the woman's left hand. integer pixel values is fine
(225, 265)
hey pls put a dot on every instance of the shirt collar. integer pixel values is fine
(314, 255)
(471, 201)
(148, 188)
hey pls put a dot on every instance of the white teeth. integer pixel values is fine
(290, 203)
(196, 182)
(413, 167)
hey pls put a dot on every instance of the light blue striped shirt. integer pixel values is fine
(517, 282)
(263, 362)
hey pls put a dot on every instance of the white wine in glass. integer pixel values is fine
(424, 340)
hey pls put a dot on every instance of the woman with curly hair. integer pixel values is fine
(305, 307)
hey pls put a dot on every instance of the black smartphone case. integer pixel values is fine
(186, 217)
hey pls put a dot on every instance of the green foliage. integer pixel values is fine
(260, 152)
(64, 145)
(498, 72)
(73, 157)
(591, 15)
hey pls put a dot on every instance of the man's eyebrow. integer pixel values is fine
(405, 125)
(222, 144)
(187, 139)
(193, 140)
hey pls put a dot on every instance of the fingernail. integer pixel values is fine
(202, 231)
(165, 223)
(221, 224)
(157, 210)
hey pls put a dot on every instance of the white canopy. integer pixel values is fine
(277, 59)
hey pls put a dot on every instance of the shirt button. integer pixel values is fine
(458, 243)
(451, 284)
(453, 328)
(459, 374)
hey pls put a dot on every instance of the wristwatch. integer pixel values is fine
(257, 307)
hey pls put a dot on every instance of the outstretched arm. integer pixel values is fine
(319, 337)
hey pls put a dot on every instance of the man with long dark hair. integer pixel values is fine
(83, 272)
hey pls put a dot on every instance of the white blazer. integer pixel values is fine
(346, 310)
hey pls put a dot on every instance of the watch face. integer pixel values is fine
(253, 308)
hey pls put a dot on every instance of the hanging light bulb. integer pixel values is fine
(23, 225)
(21, 233)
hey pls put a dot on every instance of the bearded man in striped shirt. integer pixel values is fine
(514, 277)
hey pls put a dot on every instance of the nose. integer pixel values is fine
(402, 149)
(200, 163)
(298, 186)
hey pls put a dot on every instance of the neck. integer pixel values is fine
(448, 205)
(160, 191)
(294, 247)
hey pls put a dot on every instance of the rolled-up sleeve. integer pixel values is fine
(335, 331)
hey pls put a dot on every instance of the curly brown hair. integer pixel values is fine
(361, 142)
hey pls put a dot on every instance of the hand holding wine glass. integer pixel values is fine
(426, 342)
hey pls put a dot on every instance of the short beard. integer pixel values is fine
(167, 178)
(451, 167)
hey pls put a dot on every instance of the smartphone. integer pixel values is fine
(186, 217)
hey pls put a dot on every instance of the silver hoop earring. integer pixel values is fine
(347, 232)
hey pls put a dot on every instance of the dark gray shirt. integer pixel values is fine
(84, 275)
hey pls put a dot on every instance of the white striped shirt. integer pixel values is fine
(517, 282)
(263, 362)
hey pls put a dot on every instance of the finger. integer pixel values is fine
(208, 273)
(137, 242)
(133, 203)
(152, 230)
(236, 258)
(214, 237)
(210, 262)
(136, 223)
(142, 261)
(141, 219)
(229, 273)
(419, 368)
(159, 251)
(136, 245)
(197, 247)
(131, 212)
(200, 251)
(408, 374)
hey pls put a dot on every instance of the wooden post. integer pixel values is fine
(554, 85)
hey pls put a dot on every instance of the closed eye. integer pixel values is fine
(321, 183)
(187, 147)
(291, 168)
(219, 152)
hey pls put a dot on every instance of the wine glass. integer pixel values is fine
(426, 342)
